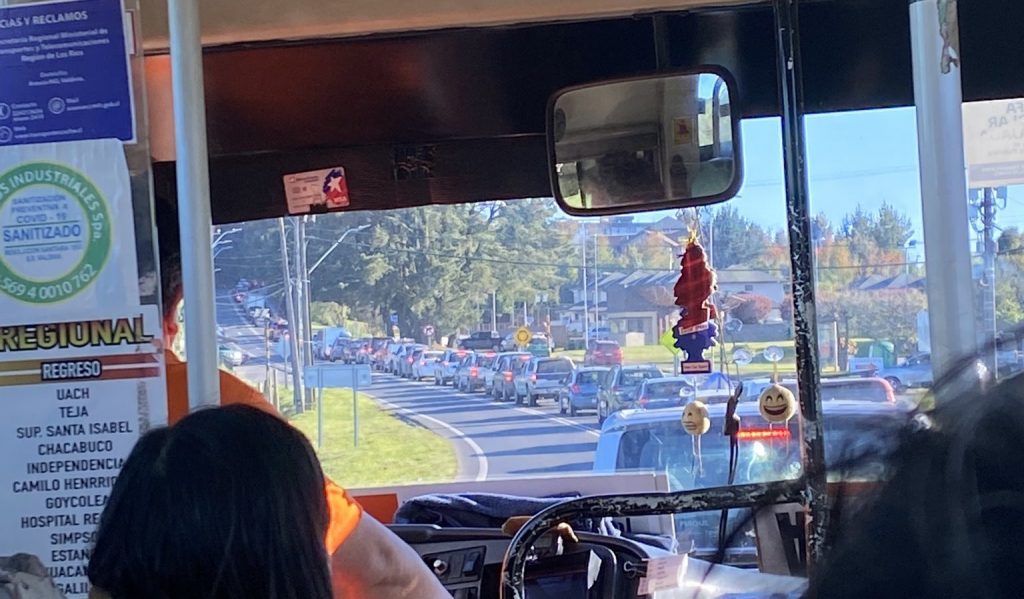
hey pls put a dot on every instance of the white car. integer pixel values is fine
(444, 369)
(425, 365)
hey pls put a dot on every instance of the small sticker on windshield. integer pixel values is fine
(322, 190)
(663, 573)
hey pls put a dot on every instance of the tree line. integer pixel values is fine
(439, 265)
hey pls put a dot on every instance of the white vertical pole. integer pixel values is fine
(194, 218)
(597, 296)
(586, 306)
(943, 191)
(494, 311)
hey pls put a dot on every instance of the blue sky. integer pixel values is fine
(862, 157)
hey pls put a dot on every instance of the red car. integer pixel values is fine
(603, 353)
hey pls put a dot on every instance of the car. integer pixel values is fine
(539, 346)
(508, 343)
(916, 371)
(390, 357)
(541, 377)
(231, 354)
(503, 376)
(277, 329)
(655, 441)
(481, 340)
(360, 350)
(603, 353)
(469, 376)
(424, 366)
(378, 351)
(323, 340)
(852, 388)
(444, 368)
(493, 374)
(339, 350)
(412, 354)
(580, 390)
(402, 352)
(665, 392)
(620, 385)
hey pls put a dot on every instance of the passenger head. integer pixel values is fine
(169, 250)
(227, 504)
(948, 522)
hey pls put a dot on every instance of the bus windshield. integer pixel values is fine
(439, 275)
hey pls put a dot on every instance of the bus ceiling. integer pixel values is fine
(456, 112)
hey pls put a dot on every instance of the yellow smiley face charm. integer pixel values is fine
(777, 404)
(695, 418)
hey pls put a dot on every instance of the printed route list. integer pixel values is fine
(77, 401)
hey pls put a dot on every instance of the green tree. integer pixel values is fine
(734, 239)
(877, 239)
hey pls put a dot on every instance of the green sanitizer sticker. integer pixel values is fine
(54, 232)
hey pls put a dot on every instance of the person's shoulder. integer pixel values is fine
(235, 391)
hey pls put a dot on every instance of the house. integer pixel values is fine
(643, 301)
(640, 302)
(738, 279)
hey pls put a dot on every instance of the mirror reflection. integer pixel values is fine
(644, 143)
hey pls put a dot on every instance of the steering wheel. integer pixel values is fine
(513, 567)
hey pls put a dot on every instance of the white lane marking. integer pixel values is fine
(520, 409)
(481, 459)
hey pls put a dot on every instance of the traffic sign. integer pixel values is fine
(523, 335)
(668, 340)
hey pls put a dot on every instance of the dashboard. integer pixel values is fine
(468, 563)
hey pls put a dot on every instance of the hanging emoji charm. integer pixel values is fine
(695, 418)
(777, 404)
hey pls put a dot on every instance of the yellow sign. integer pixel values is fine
(682, 131)
(668, 341)
(523, 335)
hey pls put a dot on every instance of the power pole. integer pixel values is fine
(293, 323)
(988, 222)
(307, 328)
(300, 320)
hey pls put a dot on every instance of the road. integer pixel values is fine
(494, 440)
(236, 328)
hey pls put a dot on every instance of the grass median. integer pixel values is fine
(391, 450)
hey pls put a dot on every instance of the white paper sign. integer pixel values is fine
(663, 573)
(75, 395)
(67, 236)
(994, 143)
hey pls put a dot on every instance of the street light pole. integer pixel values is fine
(321, 259)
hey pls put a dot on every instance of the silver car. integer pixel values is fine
(915, 372)
(541, 377)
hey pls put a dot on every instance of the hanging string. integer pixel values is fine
(697, 463)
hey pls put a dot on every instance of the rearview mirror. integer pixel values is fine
(650, 143)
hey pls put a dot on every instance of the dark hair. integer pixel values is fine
(949, 521)
(227, 504)
(169, 249)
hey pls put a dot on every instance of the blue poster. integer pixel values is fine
(64, 68)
